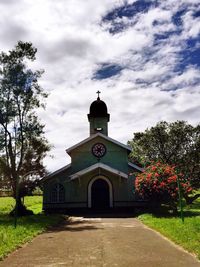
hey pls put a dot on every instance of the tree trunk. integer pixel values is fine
(21, 209)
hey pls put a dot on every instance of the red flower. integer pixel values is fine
(162, 184)
(172, 179)
(159, 182)
(149, 175)
(189, 189)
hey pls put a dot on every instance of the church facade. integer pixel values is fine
(99, 176)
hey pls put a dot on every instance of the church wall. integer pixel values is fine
(116, 156)
(60, 178)
(76, 191)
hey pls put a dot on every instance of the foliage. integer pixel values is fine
(186, 235)
(176, 143)
(22, 142)
(159, 183)
(28, 227)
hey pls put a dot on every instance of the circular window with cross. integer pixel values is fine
(98, 150)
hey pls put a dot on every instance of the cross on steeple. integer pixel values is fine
(98, 92)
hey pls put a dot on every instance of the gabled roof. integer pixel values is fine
(135, 167)
(56, 172)
(94, 136)
(96, 166)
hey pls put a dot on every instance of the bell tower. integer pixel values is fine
(98, 117)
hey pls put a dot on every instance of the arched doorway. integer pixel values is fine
(100, 194)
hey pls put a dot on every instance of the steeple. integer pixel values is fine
(98, 92)
(98, 117)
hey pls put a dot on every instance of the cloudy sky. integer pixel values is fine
(144, 56)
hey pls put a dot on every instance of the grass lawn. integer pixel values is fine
(185, 234)
(28, 226)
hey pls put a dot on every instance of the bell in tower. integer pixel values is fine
(98, 117)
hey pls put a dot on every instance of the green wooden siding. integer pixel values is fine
(76, 191)
(115, 157)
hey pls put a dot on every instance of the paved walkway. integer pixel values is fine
(101, 242)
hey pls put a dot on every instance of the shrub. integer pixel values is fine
(159, 183)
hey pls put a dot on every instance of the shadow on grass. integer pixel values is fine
(51, 223)
(186, 214)
(76, 222)
(164, 213)
(34, 221)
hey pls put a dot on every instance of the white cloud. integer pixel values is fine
(191, 25)
(189, 76)
(72, 42)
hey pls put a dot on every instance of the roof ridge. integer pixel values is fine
(92, 137)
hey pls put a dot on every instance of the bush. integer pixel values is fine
(159, 183)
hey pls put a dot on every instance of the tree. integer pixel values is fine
(176, 143)
(159, 183)
(22, 142)
(5, 188)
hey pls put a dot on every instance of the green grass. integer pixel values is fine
(27, 227)
(185, 234)
(34, 203)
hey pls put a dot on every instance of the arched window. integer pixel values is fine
(58, 193)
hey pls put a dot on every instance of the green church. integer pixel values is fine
(99, 177)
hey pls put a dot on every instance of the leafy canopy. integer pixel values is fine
(22, 142)
(176, 143)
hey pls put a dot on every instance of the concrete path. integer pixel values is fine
(100, 242)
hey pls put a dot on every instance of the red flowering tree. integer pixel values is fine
(159, 184)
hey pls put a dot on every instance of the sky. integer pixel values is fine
(144, 57)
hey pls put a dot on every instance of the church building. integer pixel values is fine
(99, 176)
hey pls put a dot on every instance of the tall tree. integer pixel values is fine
(172, 143)
(22, 142)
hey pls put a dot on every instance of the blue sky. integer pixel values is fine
(144, 56)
